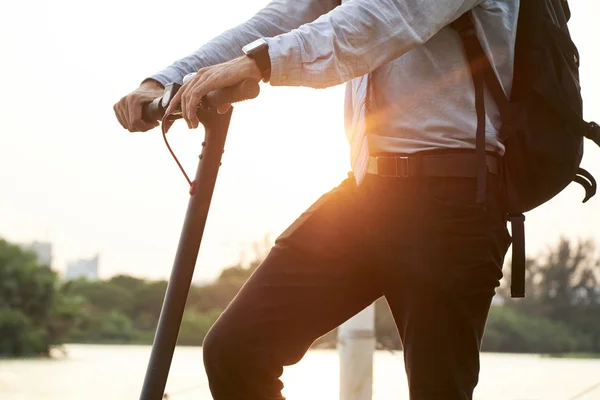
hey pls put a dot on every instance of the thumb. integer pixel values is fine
(173, 103)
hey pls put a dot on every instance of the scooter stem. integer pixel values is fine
(216, 126)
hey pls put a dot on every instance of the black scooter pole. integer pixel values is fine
(216, 126)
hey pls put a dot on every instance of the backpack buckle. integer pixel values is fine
(593, 133)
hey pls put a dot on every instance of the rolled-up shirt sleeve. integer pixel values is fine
(357, 37)
(278, 17)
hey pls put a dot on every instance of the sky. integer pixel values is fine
(69, 173)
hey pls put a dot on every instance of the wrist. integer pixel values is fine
(252, 69)
(258, 52)
(150, 83)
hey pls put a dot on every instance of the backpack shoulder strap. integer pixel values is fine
(480, 63)
(482, 72)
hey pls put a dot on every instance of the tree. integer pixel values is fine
(149, 298)
(218, 295)
(128, 283)
(563, 287)
(24, 284)
(510, 331)
(33, 314)
(194, 327)
(105, 327)
(104, 295)
(18, 334)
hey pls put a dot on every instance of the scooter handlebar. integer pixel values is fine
(153, 111)
(244, 90)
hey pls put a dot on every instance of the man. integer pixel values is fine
(405, 224)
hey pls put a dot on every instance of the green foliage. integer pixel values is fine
(66, 314)
(195, 326)
(559, 314)
(108, 327)
(563, 287)
(34, 315)
(219, 294)
(18, 334)
(24, 284)
(510, 331)
(128, 283)
(104, 295)
(126, 309)
(149, 298)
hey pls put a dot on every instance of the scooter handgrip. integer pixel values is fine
(153, 111)
(244, 90)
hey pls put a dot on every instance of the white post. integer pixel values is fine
(356, 344)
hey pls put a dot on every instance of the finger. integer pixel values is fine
(174, 103)
(124, 112)
(138, 124)
(223, 108)
(193, 102)
(184, 106)
(181, 97)
(197, 92)
(189, 102)
(143, 126)
(193, 95)
(118, 115)
(135, 113)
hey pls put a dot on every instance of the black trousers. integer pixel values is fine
(421, 242)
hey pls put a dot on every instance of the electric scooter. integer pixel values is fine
(201, 189)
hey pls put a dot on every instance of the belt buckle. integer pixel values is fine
(399, 172)
(405, 166)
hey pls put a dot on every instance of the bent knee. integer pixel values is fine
(216, 348)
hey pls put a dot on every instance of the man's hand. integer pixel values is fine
(129, 109)
(212, 78)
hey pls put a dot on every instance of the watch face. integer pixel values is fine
(251, 47)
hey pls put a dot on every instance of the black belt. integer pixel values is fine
(457, 165)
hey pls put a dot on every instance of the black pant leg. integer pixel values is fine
(440, 294)
(316, 276)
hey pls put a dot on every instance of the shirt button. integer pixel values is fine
(283, 78)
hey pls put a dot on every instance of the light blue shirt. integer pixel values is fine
(420, 94)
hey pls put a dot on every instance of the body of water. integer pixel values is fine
(100, 372)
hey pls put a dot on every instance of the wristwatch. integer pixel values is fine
(259, 52)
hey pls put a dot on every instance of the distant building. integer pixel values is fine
(43, 251)
(83, 269)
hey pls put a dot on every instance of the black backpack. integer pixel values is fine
(542, 123)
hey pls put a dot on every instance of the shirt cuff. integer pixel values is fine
(285, 52)
(168, 75)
